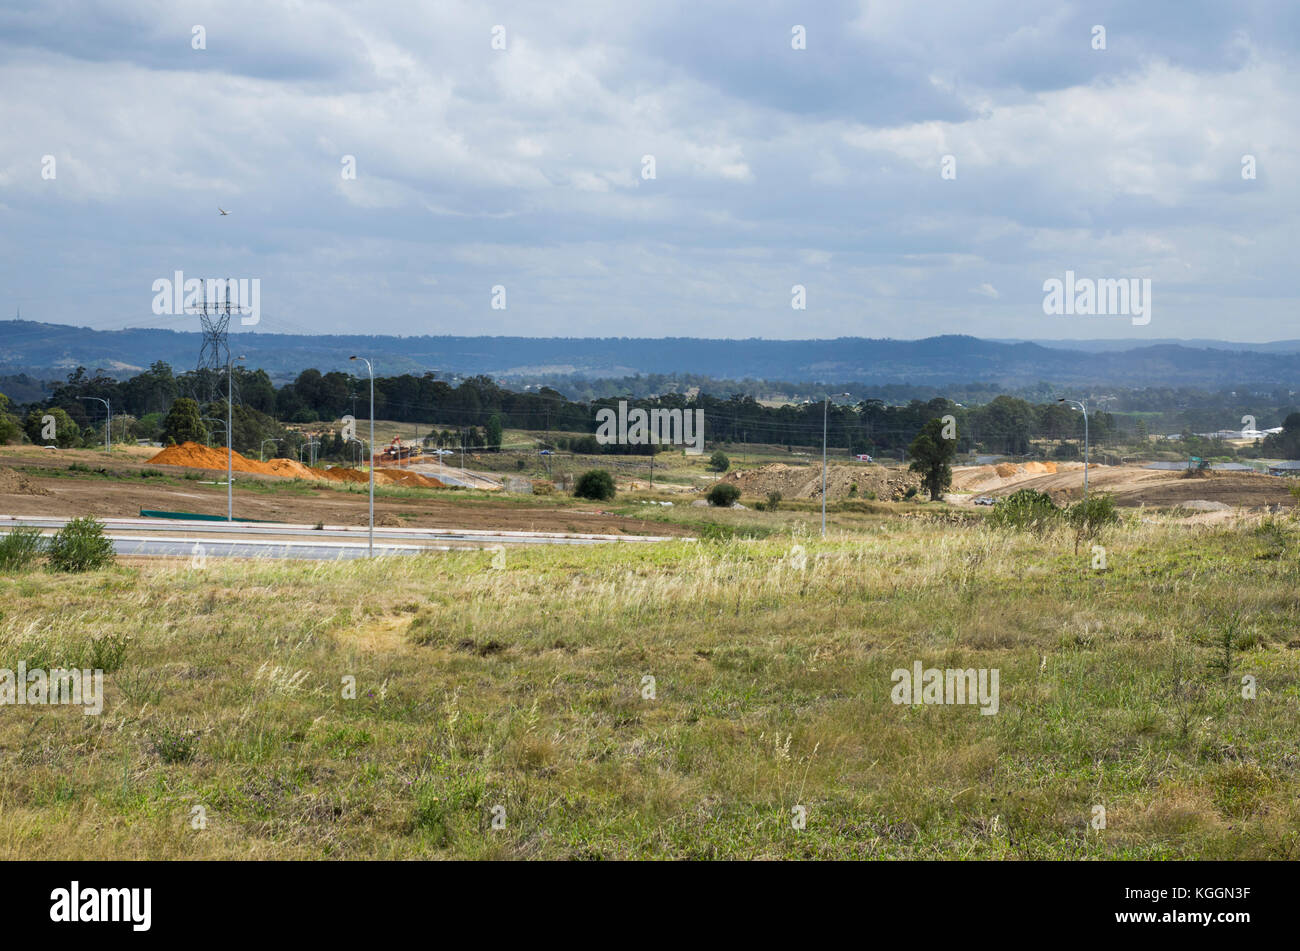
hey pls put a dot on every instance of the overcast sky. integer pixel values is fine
(774, 166)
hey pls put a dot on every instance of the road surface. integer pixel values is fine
(178, 537)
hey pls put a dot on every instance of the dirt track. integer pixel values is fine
(1134, 486)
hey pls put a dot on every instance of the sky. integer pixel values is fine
(525, 168)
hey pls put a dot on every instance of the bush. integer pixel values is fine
(773, 500)
(80, 546)
(724, 495)
(1088, 517)
(1026, 510)
(19, 548)
(719, 462)
(595, 484)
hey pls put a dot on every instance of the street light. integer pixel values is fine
(108, 425)
(230, 448)
(1084, 407)
(825, 409)
(372, 453)
(212, 419)
(260, 457)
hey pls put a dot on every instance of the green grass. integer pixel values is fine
(522, 688)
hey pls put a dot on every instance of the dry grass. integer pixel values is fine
(523, 688)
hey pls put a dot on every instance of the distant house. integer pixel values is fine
(1289, 468)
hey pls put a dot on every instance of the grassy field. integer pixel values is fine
(522, 693)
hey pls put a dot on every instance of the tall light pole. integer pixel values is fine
(825, 409)
(230, 443)
(260, 456)
(371, 550)
(211, 419)
(108, 425)
(1084, 408)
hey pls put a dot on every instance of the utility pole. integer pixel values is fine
(371, 549)
(825, 408)
(230, 443)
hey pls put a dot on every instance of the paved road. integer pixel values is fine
(173, 537)
(223, 548)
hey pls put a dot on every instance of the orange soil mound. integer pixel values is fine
(194, 456)
(1005, 469)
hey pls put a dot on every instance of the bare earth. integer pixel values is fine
(86, 494)
(1131, 485)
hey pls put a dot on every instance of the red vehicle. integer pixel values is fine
(398, 451)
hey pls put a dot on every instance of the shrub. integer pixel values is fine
(1026, 510)
(1088, 517)
(80, 546)
(719, 462)
(173, 744)
(773, 500)
(19, 548)
(724, 494)
(106, 653)
(595, 484)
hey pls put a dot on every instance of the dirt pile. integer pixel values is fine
(986, 478)
(194, 456)
(805, 482)
(15, 483)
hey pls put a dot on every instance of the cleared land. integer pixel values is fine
(85, 482)
(1132, 485)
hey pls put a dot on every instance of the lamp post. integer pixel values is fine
(825, 409)
(108, 425)
(212, 419)
(230, 447)
(371, 369)
(262, 447)
(1084, 408)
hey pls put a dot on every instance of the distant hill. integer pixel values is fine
(51, 351)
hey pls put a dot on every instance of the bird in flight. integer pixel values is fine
(222, 210)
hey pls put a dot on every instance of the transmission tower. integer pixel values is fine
(214, 354)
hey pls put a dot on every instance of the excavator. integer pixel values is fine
(398, 451)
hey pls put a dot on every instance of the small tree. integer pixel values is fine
(724, 495)
(80, 546)
(66, 432)
(932, 457)
(494, 433)
(183, 422)
(1088, 517)
(596, 484)
(718, 462)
